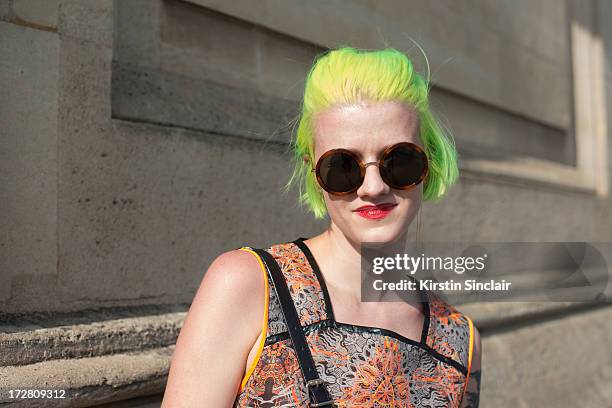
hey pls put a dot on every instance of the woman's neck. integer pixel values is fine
(340, 259)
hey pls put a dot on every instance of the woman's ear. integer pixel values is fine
(306, 158)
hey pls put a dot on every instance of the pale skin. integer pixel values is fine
(222, 331)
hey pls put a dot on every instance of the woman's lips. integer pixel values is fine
(375, 212)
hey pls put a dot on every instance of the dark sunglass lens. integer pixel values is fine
(339, 172)
(403, 166)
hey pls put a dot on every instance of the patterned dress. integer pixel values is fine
(363, 367)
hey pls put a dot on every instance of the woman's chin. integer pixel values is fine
(378, 236)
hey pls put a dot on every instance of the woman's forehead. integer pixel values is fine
(366, 127)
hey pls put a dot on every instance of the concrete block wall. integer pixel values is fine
(28, 160)
(118, 188)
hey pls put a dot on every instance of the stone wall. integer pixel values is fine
(120, 121)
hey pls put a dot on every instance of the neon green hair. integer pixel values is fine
(348, 75)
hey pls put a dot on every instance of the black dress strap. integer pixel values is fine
(317, 392)
(329, 311)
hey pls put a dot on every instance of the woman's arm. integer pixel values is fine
(471, 397)
(223, 324)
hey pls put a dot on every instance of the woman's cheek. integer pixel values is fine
(341, 214)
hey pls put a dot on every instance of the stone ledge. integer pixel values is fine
(27, 341)
(151, 96)
(81, 336)
(151, 401)
(118, 377)
(90, 381)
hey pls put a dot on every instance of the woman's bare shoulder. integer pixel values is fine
(221, 327)
(233, 275)
(230, 298)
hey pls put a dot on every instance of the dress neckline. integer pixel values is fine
(330, 311)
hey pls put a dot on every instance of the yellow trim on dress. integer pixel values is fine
(264, 329)
(469, 366)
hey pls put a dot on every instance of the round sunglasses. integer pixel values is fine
(402, 166)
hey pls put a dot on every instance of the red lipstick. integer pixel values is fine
(375, 212)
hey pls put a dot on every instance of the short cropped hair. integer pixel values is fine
(349, 75)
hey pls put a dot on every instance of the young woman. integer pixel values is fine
(284, 326)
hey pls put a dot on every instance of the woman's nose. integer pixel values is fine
(373, 184)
